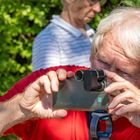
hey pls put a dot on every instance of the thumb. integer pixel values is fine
(60, 113)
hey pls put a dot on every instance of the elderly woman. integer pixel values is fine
(117, 51)
(67, 39)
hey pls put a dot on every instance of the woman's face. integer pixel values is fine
(83, 11)
(110, 56)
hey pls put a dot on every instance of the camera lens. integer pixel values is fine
(79, 75)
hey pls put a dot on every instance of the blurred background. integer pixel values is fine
(20, 22)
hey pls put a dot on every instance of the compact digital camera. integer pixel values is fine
(85, 91)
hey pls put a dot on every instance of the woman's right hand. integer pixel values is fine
(37, 98)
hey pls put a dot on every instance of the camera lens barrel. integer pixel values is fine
(93, 79)
(79, 75)
(100, 74)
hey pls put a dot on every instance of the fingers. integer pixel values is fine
(50, 113)
(70, 74)
(124, 103)
(115, 117)
(54, 78)
(127, 100)
(121, 98)
(54, 81)
(59, 113)
(113, 110)
(62, 74)
(45, 83)
(118, 86)
(113, 76)
(38, 92)
(127, 108)
(38, 86)
(126, 93)
(50, 81)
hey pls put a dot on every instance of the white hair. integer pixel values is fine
(125, 21)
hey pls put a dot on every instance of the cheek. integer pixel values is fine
(135, 82)
(99, 65)
(80, 15)
(87, 12)
(90, 13)
(94, 64)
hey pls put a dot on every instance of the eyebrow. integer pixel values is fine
(102, 57)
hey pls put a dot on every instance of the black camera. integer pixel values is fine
(85, 91)
(93, 80)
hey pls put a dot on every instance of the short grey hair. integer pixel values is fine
(125, 21)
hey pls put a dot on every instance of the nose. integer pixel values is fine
(113, 68)
(96, 7)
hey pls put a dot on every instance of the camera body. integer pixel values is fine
(83, 92)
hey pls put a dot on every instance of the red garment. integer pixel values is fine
(72, 127)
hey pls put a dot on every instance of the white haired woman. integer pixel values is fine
(117, 51)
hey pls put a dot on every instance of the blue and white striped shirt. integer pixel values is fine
(61, 44)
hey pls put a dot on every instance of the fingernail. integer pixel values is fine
(110, 111)
(55, 88)
(110, 106)
(49, 91)
(118, 112)
(107, 88)
(61, 113)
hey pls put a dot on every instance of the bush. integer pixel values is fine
(20, 21)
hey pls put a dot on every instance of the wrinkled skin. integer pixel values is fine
(78, 12)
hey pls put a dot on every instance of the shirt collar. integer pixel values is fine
(60, 22)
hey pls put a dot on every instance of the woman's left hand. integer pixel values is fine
(127, 100)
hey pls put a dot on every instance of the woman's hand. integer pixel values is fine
(37, 98)
(34, 102)
(126, 98)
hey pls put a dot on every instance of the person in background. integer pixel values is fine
(67, 40)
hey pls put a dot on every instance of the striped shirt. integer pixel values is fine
(61, 44)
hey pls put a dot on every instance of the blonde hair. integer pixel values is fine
(125, 21)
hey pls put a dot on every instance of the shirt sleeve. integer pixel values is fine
(45, 51)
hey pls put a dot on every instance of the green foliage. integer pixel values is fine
(11, 137)
(20, 22)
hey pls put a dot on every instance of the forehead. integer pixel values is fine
(111, 53)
